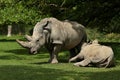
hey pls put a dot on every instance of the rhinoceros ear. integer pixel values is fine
(47, 26)
(84, 44)
(95, 41)
(29, 38)
(24, 44)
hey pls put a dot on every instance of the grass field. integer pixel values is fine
(17, 64)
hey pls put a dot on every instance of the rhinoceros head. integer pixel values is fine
(37, 40)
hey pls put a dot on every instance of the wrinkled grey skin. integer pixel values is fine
(94, 54)
(55, 35)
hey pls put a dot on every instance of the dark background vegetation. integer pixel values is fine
(103, 15)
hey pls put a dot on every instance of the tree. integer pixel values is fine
(15, 11)
(101, 14)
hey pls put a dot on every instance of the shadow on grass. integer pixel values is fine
(9, 57)
(9, 40)
(60, 61)
(18, 51)
(12, 38)
(17, 72)
(39, 63)
(25, 51)
(23, 54)
(5, 40)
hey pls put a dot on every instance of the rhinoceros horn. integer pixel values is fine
(24, 44)
(29, 38)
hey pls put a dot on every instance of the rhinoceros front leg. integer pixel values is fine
(79, 56)
(74, 58)
(83, 63)
(54, 54)
(50, 57)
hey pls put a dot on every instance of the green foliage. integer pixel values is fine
(13, 12)
(102, 37)
(115, 24)
(100, 14)
(96, 14)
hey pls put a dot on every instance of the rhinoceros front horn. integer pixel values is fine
(24, 44)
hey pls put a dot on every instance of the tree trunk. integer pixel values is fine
(9, 30)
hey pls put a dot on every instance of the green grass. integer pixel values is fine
(17, 64)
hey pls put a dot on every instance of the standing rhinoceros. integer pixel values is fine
(95, 54)
(55, 35)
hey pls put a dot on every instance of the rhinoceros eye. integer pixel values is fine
(37, 40)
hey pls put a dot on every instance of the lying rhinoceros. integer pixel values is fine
(95, 54)
(55, 35)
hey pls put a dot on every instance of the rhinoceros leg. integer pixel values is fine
(50, 57)
(54, 54)
(79, 56)
(83, 63)
(73, 59)
(53, 58)
(102, 65)
(108, 62)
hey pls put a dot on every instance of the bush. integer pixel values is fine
(114, 25)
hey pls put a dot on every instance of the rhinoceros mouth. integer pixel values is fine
(33, 52)
(26, 45)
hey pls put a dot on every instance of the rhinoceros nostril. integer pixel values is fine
(33, 52)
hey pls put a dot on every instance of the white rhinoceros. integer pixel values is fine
(95, 54)
(55, 35)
